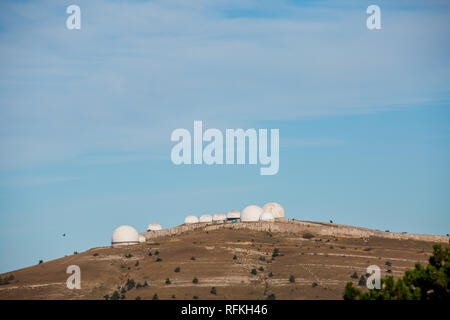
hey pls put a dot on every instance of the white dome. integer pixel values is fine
(251, 213)
(266, 216)
(206, 218)
(141, 238)
(234, 214)
(219, 217)
(276, 209)
(124, 235)
(154, 227)
(191, 219)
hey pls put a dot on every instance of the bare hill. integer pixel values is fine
(242, 261)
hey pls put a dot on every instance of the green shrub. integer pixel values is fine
(271, 296)
(155, 297)
(192, 258)
(115, 296)
(354, 275)
(128, 255)
(195, 280)
(213, 290)
(130, 284)
(261, 269)
(168, 281)
(234, 257)
(177, 269)
(158, 259)
(292, 279)
(253, 271)
(431, 282)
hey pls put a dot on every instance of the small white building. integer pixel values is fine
(233, 215)
(124, 235)
(206, 218)
(141, 238)
(251, 213)
(190, 219)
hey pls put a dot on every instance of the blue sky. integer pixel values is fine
(86, 115)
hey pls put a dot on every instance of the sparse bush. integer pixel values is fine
(292, 279)
(271, 274)
(137, 263)
(158, 259)
(354, 275)
(145, 284)
(115, 296)
(234, 257)
(308, 235)
(155, 297)
(177, 269)
(362, 281)
(261, 269)
(41, 261)
(213, 290)
(389, 271)
(168, 281)
(192, 258)
(95, 254)
(195, 280)
(128, 255)
(130, 284)
(253, 271)
(123, 291)
(156, 252)
(106, 296)
(195, 297)
(75, 252)
(314, 284)
(275, 253)
(150, 254)
(271, 296)
(388, 263)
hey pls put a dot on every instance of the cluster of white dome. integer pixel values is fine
(127, 235)
(270, 212)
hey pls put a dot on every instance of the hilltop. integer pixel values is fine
(282, 259)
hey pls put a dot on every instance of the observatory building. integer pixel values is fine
(251, 213)
(276, 209)
(233, 215)
(141, 238)
(206, 218)
(154, 227)
(124, 235)
(266, 216)
(190, 219)
(219, 217)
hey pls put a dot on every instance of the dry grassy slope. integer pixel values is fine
(326, 260)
